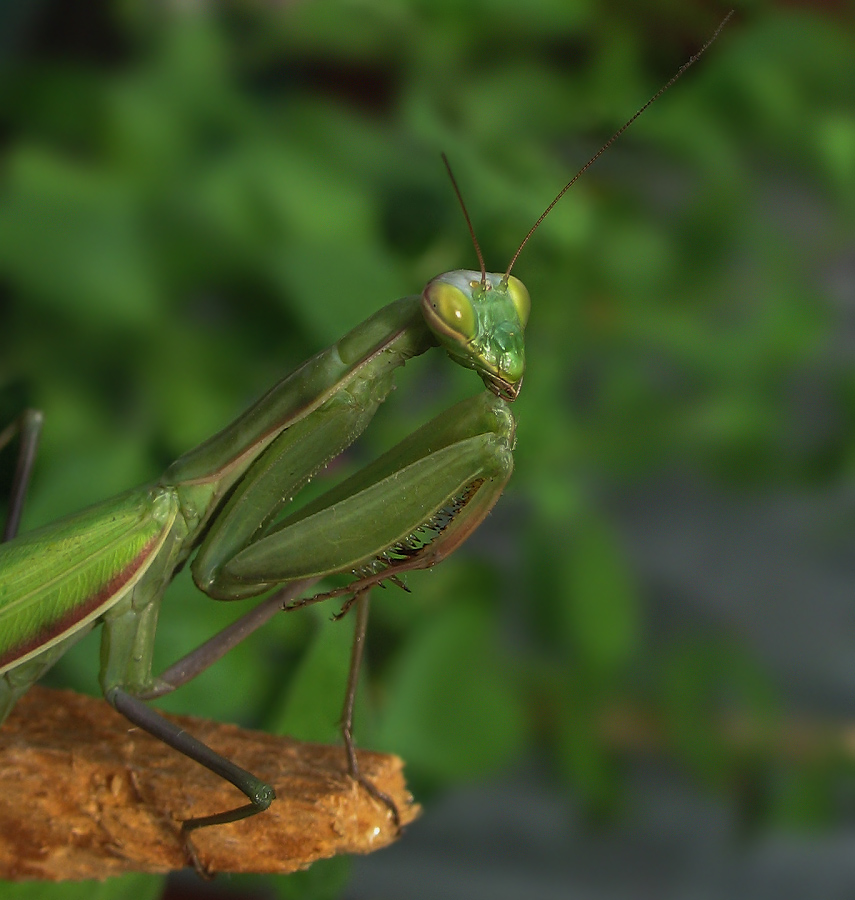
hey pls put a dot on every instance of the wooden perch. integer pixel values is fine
(85, 795)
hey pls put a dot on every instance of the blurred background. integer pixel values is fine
(638, 678)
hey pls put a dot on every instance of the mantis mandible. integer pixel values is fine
(222, 504)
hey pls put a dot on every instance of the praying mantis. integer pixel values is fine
(223, 507)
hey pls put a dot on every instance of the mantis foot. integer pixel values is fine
(366, 783)
(383, 797)
(193, 857)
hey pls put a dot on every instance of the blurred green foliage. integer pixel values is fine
(194, 198)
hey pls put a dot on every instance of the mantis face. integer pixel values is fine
(481, 323)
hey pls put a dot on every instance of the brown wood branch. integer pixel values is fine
(85, 795)
(795, 741)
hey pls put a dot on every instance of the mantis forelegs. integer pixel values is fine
(405, 510)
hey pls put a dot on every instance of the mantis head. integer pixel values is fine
(479, 317)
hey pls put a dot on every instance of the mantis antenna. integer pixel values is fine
(468, 221)
(599, 153)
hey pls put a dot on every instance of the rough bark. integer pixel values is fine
(85, 795)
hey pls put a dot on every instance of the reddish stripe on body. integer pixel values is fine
(109, 589)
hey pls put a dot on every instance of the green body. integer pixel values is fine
(224, 500)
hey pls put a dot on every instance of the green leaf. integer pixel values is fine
(602, 604)
(73, 238)
(313, 702)
(138, 885)
(453, 711)
(324, 880)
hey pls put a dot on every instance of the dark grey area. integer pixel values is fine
(775, 572)
(517, 840)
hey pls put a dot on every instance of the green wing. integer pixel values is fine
(57, 579)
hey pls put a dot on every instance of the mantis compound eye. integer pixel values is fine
(449, 310)
(520, 298)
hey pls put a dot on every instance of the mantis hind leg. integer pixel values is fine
(126, 643)
(258, 792)
(29, 426)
